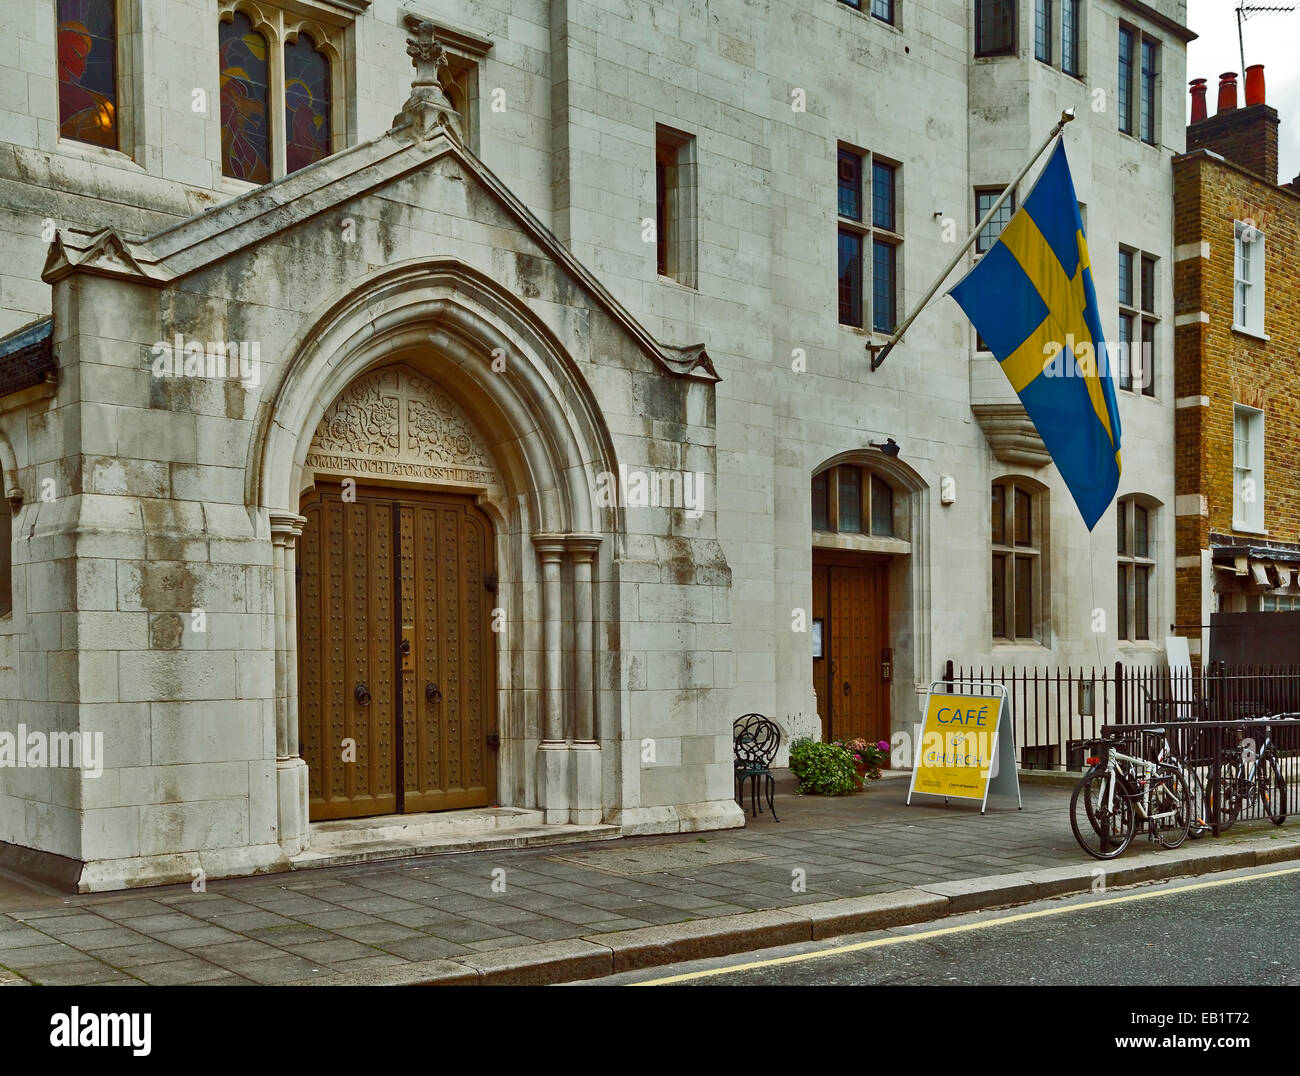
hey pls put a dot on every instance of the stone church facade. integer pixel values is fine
(505, 450)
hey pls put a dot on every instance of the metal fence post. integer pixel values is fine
(1119, 693)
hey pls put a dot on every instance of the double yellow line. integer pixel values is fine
(1020, 917)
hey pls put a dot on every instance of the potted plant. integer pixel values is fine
(823, 769)
(868, 757)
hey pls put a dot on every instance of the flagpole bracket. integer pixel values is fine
(879, 351)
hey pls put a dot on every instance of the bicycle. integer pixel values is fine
(1245, 773)
(1119, 789)
(1165, 753)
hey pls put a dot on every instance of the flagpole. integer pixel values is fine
(879, 352)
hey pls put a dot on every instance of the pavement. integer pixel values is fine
(828, 868)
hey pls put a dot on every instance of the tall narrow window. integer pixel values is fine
(1124, 96)
(1138, 318)
(1019, 579)
(1136, 568)
(995, 27)
(882, 507)
(306, 103)
(821, 505)
(850, 500)
(884, 251)
(882, 195)
(884, 267)
(675, 205)
(1070, 32)
(850, 254)
(1147, 101)
(87, 46)
(1248, 279)
(245, 112)
(862, 230)
(883, 10)
(1043, 30)
(1123, 368)
(850, 184)
(1247, 468)
(1125, 277)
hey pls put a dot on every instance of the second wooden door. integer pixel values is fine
(851, 675)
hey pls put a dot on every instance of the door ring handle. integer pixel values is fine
(432, 693)
(362, 694)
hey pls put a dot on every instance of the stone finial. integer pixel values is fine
(427, 54)
(428, 108)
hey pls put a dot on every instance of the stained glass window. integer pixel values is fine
(306, 103)
(88, 71)
(245, 117)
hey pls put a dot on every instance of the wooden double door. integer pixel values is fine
(852, 660)
(396, 654)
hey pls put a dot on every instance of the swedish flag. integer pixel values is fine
(1032, 300)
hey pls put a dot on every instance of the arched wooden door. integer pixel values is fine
(396, 655)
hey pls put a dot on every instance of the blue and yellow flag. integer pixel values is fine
(1031, 298)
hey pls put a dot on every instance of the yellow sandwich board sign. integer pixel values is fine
(966, 748)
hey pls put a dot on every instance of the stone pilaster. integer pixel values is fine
(585, 793)
(291, 769)
(553, 752)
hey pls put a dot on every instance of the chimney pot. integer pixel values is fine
(1198, 100)
(1227, 91)
(1255, 84)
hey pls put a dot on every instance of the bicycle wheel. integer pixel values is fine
(1225, 810)
(1103, 825)
(1272, 790)
(1170, 793)
(1200, 804)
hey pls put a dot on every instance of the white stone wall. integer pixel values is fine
(582, 85)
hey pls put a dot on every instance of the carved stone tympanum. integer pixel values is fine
(399, 423)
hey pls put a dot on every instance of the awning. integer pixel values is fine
(27, 357)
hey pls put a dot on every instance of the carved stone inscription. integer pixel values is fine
(399, 423)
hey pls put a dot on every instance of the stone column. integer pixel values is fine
(553, 752)
(291, 770)
(585, 798)
(583, 550)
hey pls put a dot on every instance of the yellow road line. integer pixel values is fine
(1020, 917)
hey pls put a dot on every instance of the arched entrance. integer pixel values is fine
(397, 706)
(431, 389)
(870, 593)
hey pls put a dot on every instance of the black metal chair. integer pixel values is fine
(755, 740)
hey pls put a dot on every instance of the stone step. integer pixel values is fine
(412, 828)
(367, 851)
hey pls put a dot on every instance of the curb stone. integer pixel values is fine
(597, 955)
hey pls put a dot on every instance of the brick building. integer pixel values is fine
(1237, 327)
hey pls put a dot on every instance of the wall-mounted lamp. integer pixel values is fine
(889, 448)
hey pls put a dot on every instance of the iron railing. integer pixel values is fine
(1054, 710)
